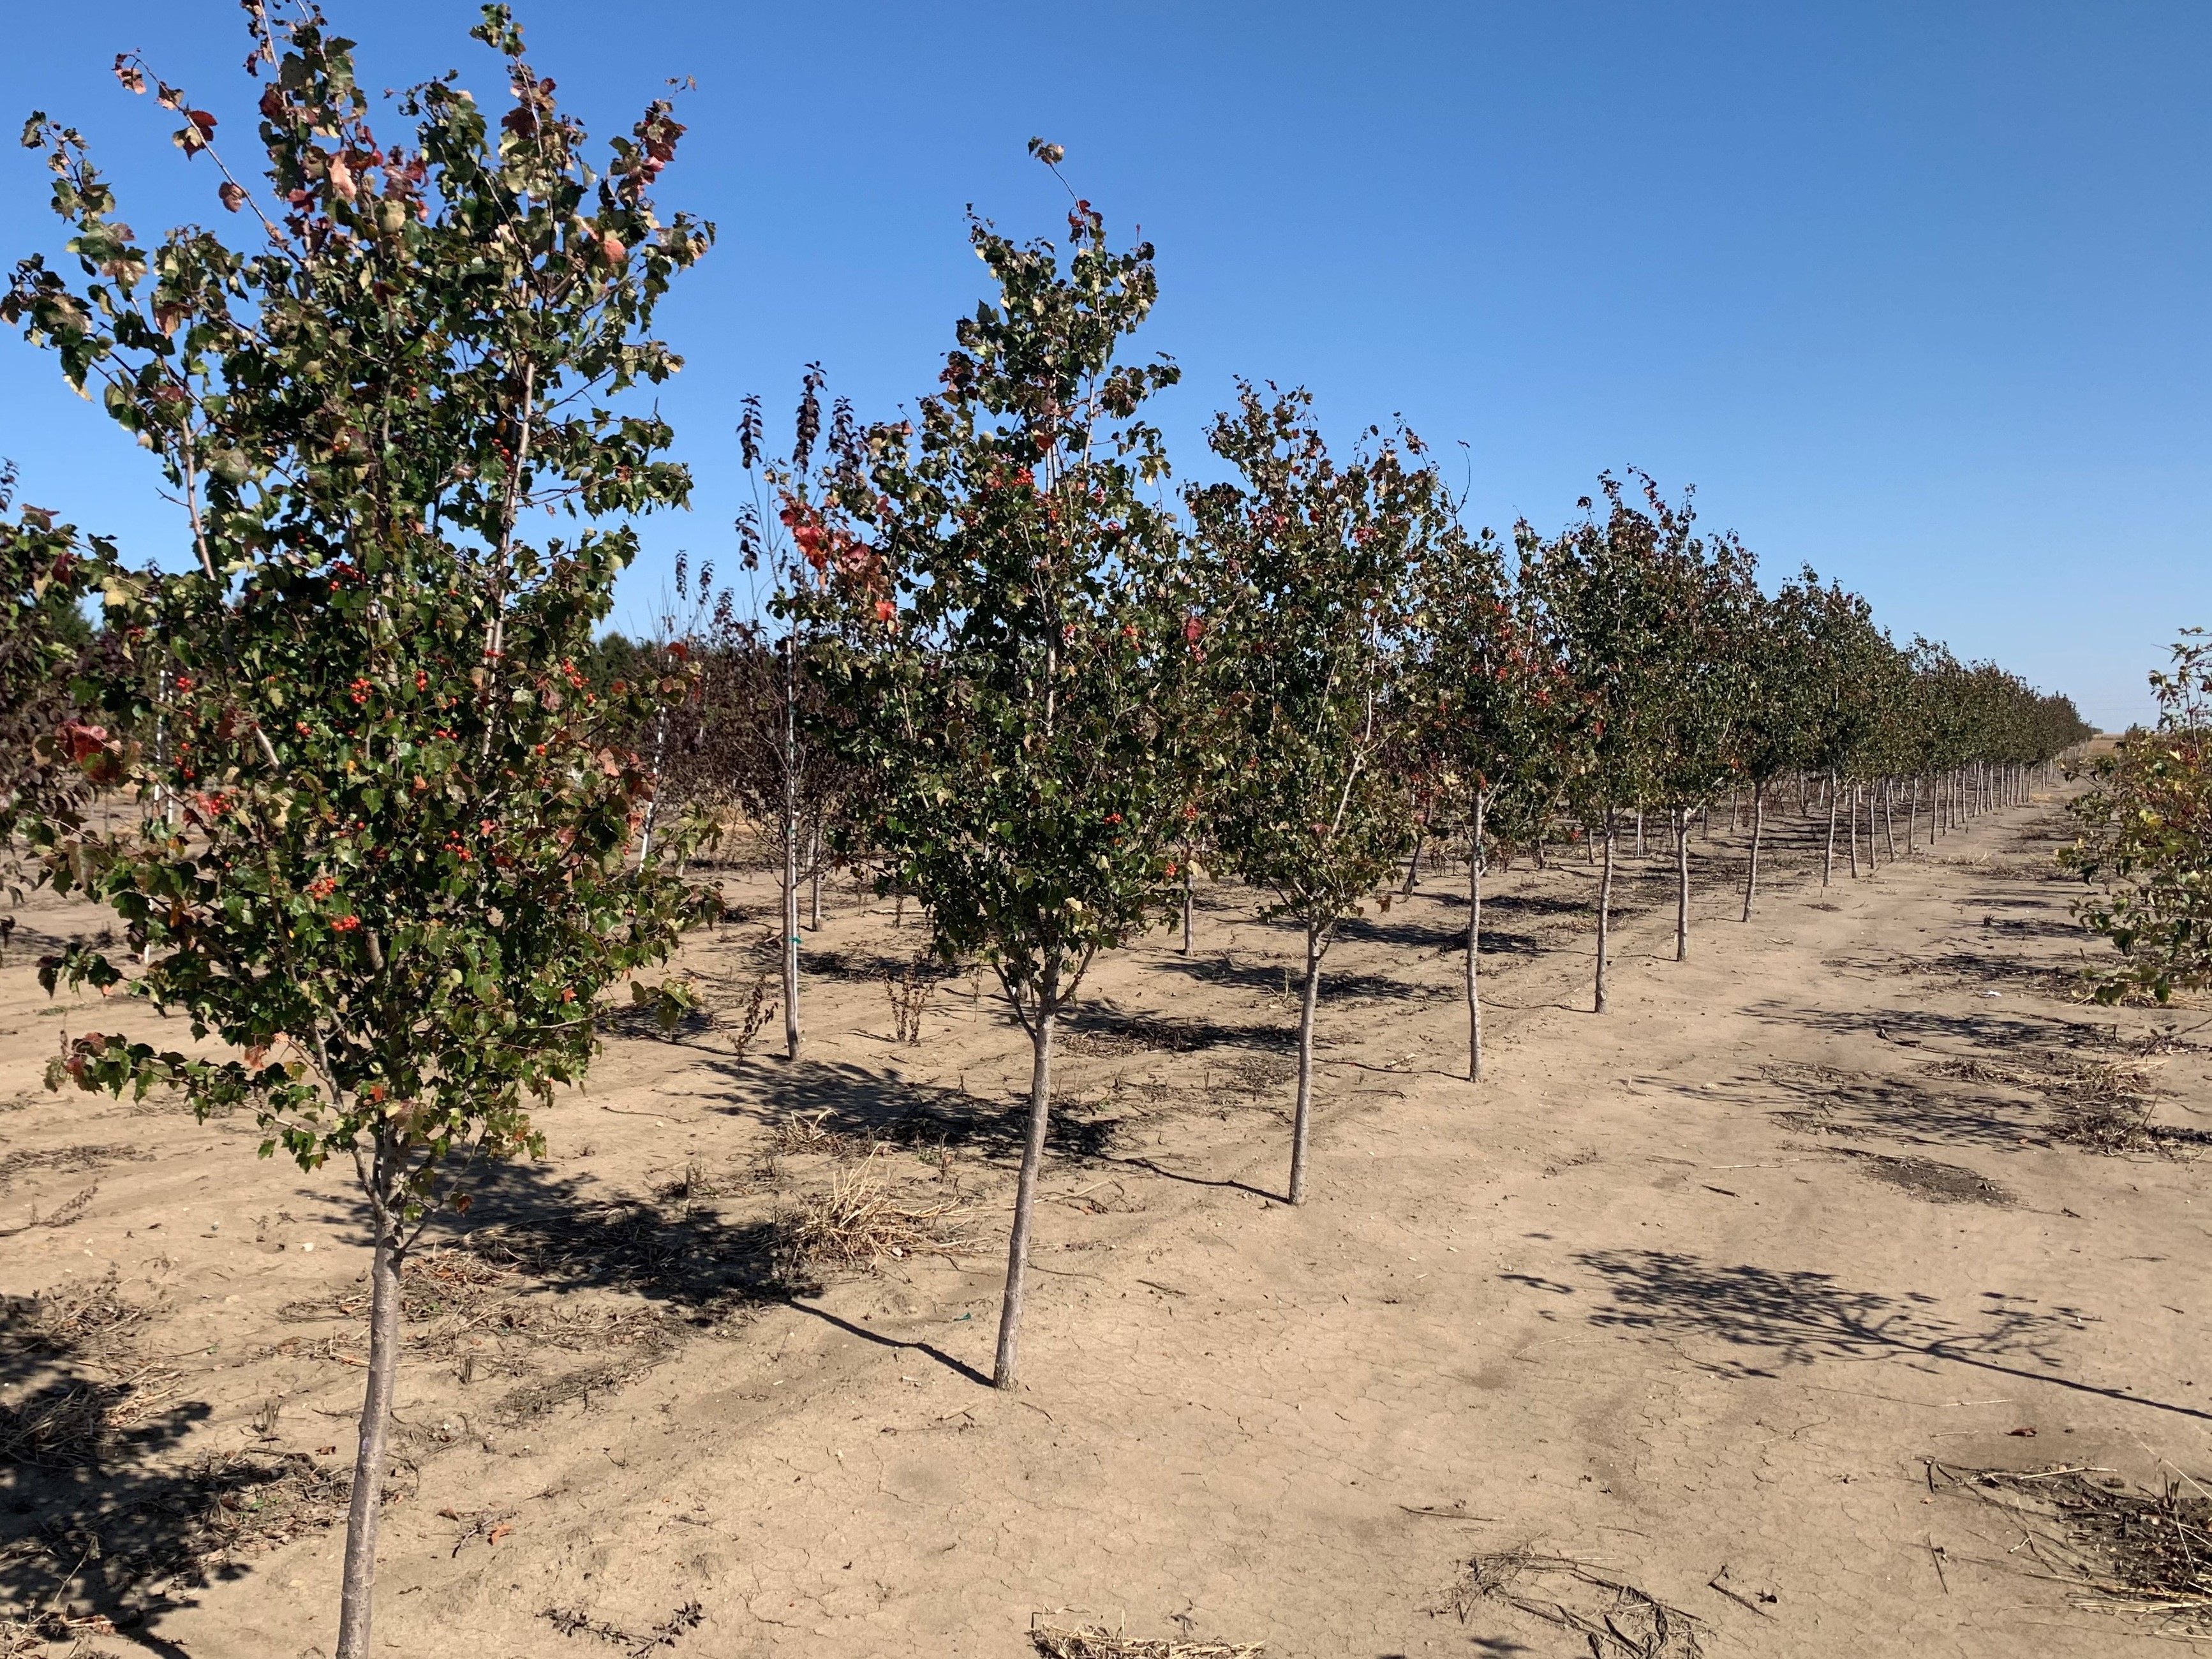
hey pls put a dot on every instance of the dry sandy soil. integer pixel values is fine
(1715, 1295)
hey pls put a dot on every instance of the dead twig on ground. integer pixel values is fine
(1092, 1642)
(1614, 1618)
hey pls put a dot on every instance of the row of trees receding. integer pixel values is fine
(403, 817)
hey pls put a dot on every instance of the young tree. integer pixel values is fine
(1701, 632)
(1309, 565)
(1607, 593)
(400, 872)
(2145, 848)
(1842, 652)
(1776, 723)
(998, 624)
(1481, 698)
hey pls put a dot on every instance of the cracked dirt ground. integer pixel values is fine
(1697, 1286)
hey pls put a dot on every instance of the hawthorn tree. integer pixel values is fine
(997, 623)
(1707, 589)
(1308, 568)
(1775, 722)
(400, 871)
(2145, 848)
(44, 641)
(1606, 593)
(1481, 696)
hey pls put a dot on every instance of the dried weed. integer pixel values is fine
(1612, 1617)
(856, 1224)
(1091, 1642)
(2122, 1549)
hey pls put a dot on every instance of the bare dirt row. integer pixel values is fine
(1703, 1318)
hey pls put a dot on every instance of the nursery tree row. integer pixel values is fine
(399, 814)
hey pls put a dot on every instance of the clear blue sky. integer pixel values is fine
(1916, 293)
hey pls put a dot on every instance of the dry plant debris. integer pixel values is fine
(1613, 1617)
(2120, 1549)
(575, 1621)
(2101, 1104)
(856, 1224)
(1087, 1642)
(799, 1136)
(66, 1160)
(1925, 1177)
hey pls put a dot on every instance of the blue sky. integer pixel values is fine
(1916, 293)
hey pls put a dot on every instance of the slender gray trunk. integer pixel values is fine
(1913, 816)
(1413, 867)
(790, 847)
(1828, 857)
(1681, 884)
(1187, 896)
(1639, 832)
(1757, 829)
(1017, 1246)
(1888, 820)
(1852, 831)
(1604, 912)
(357, 1587)
(1474, 946)
(1299, 1123)
(814, 878)
(652, 806)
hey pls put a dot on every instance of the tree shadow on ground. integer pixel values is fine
(1283, 981)
(96, 1501)
(883, 1107)
(1919, 1027)
(1823, 1100)
(1102, 1027)
(1774, 1318)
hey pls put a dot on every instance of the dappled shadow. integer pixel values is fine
(1771, 1317)
(1100, 1028)
(94, 1505)
(1283, 981)
(878, 1106)
(1989, 1028)
(1824, 1100)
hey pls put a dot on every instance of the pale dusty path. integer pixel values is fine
(1637, 1300)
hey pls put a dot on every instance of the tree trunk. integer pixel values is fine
(1639, 832)
(1187, 900)
(653, 805)
(790, 847)
(1913, 816)
(1852, 831)
(1828, 858)
(1758, 828)
(1681, 884)
(814, 879)
(1604, 909)
(1412, 866)
(358, 1585)
(1888, 821)
(1474, 947)
(1299, 1123)
(1017, 1246)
